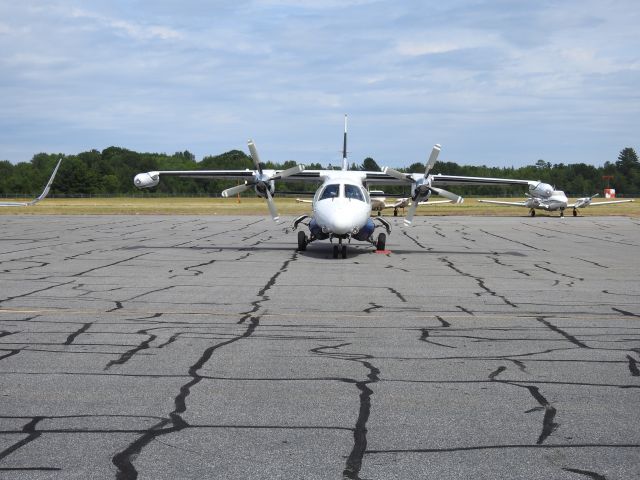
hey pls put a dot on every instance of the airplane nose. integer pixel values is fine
(341, 226)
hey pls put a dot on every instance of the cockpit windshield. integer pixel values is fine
(330, 191)
(347, 190)
(353, 192)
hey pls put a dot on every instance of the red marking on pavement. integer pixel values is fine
(383, 251)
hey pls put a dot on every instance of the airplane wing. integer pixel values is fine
(42, 196)
(151, 179)
(497, 202)
(595, 204)
(405, 202)
(433, 202)
(440, 179)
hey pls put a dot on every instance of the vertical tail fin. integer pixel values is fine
(48, 186)
(345, 164)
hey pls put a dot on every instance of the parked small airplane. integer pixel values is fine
(341, 205)
(44, 193)
(543, 196)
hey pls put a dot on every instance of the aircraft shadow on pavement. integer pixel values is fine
(322, 250)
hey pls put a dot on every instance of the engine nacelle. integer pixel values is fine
(540, 189)
(582, 202)
(146, 180)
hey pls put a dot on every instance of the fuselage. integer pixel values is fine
(342, 207)
(544, 197)
(556, 201)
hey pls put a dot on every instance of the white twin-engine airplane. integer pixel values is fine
(341, 205)
(44, 193)
(543, 196)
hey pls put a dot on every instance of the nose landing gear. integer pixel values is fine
(340, 249)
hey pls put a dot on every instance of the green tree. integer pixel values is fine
(627, 161)
(370, 165)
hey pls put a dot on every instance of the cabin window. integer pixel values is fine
(353, 192)
(330, 191)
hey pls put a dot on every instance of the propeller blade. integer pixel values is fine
(230, 192)
(288, 172)
(433, 158)
(396, 174)
(254, 156)
(451, 196)
(272, 207)
(412, 211)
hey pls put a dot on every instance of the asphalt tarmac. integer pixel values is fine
(160, 347)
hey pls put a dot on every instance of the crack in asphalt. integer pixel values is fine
(548, 424)
(479, 280)
(354, 460)
(75, 334)
(587, 473)
(123, 460)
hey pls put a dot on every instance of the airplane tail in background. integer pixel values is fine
(45, 192)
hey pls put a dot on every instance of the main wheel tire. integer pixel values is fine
(561, 213)
(344, 251)
(302, 241)
(532, 213)
(335, 251)
(382, 240)
(395, 213)
(575, 213)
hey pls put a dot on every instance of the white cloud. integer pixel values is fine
(158, 71)
(134, 30)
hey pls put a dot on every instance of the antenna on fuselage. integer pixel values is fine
(345, 165)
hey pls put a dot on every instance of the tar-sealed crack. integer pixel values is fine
(513, 241)
(404, 232)
(123, 460)
(479, 280)
(424, 337)
(354, 460)
(30, 429)
(586, 473)
(548, 424)
(633, 366)
(569, 337)
(73, 336)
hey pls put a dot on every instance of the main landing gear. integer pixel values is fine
(575, 212)
(382, 241)
(302, 241)
(532, 212)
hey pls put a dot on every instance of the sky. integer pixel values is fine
(498, 83)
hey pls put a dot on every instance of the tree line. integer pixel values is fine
(111, 172)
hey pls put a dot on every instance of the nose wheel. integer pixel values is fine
(340, 250)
